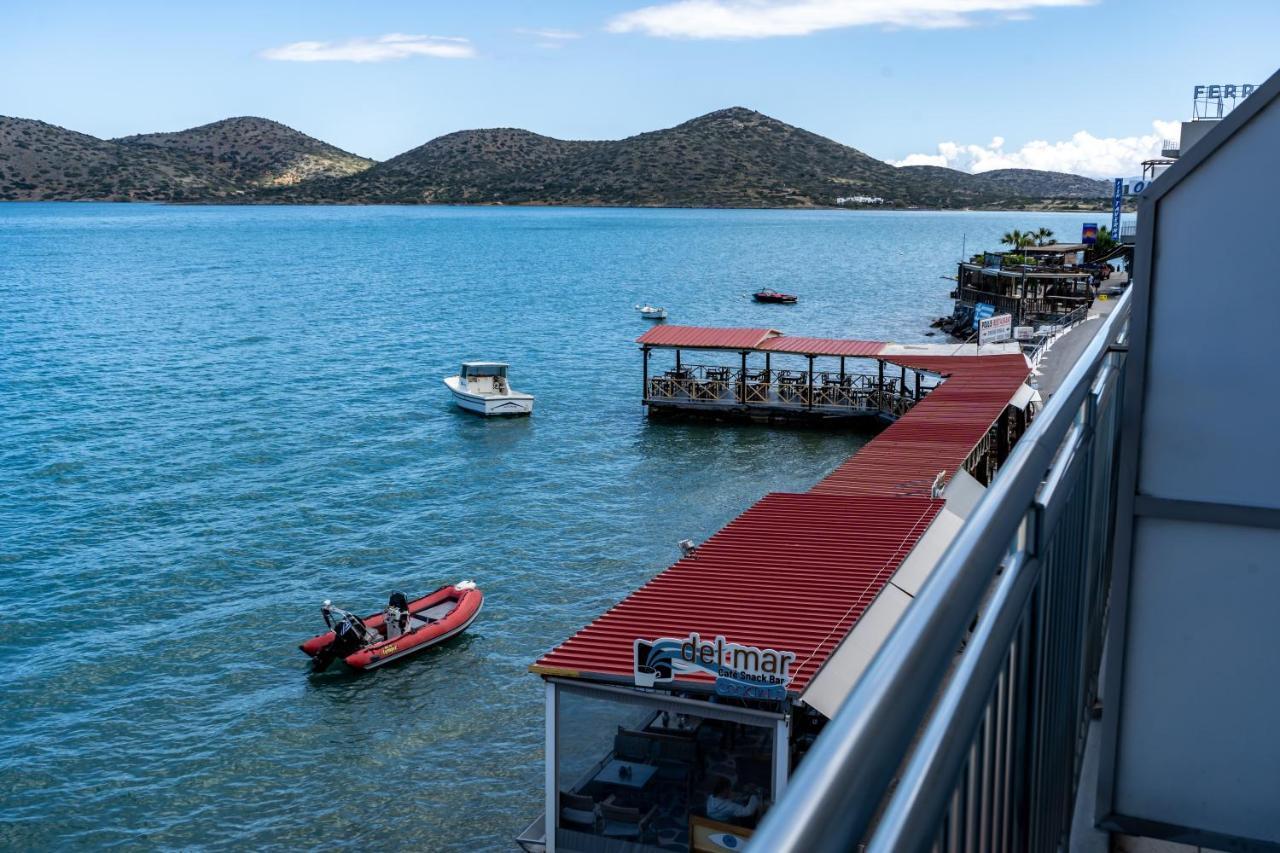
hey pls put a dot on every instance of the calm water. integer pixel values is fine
(217, 417)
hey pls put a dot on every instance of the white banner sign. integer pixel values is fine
(997, 328)
(1023, 333)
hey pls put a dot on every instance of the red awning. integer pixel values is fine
(793, 573)
(938, 433)
(821, 346)
(705, 337)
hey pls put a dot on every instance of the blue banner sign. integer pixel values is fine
(1089, 234)
(1116, 198)
(982, 311)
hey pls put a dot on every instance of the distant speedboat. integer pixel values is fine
(652, 312)
(481, 387)
(773, 296)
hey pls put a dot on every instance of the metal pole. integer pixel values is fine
(552, 782)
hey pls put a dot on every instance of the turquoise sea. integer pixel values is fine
(216, 417)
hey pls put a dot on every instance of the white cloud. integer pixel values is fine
(742, 19)
(549, 39)
(380, 49)
(551, 35)
(1082, 154)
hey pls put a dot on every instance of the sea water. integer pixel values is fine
(216, 417)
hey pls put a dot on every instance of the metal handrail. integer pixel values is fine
(832, 800)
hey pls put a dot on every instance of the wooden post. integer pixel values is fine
(645, 394)
(917, 386)
(902, 382)
(880, 385)
(810, 382)
(842, 368)
(742, 380)
(677, 360)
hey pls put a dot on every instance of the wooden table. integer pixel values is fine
(640, 774)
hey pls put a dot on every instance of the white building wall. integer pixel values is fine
(1193, 745)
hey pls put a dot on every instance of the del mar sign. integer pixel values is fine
(747, 672)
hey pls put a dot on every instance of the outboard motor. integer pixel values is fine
(349, 636)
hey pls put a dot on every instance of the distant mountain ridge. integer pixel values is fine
(734, 157)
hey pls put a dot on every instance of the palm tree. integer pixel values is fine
(1043, 236)
(1016, 239)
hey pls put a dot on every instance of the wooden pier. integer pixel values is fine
(755, 390)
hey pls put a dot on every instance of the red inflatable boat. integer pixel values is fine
(431, 619)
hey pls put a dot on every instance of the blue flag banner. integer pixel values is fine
(1117, 197)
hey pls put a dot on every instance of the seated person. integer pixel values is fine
(396, 616)
(722, 807)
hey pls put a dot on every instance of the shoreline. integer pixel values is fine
(553, 205)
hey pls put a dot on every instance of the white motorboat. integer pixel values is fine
(481, 387)
(652, 312)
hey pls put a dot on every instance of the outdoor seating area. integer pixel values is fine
(656, 776)
(829, 392)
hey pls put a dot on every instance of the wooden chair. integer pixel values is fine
(578, 811)
(622, 822)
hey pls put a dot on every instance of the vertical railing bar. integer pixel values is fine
(971, 800)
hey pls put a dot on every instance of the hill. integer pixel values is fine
(729, 158)
(256, 152)
(43, 161)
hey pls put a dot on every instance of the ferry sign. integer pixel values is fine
(1224, 90)
(997, 328)
(745, 672)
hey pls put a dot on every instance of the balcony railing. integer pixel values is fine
(827, 392)
(980, 749)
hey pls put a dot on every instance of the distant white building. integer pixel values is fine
(859, 199)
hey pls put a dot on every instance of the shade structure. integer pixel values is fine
(795, 345)
(705, 337)
(792, 573)
(938, 433)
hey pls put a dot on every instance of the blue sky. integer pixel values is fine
(892, 77)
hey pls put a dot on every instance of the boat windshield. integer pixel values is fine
(483, 368)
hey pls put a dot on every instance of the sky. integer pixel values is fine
(1086, 86)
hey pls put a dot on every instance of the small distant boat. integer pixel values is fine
(368, 643)
(773, 296)
(652, 312)
(481, 387)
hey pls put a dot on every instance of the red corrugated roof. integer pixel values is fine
(792, 573)
(821, 346)
(704, 337)
(939, 433)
